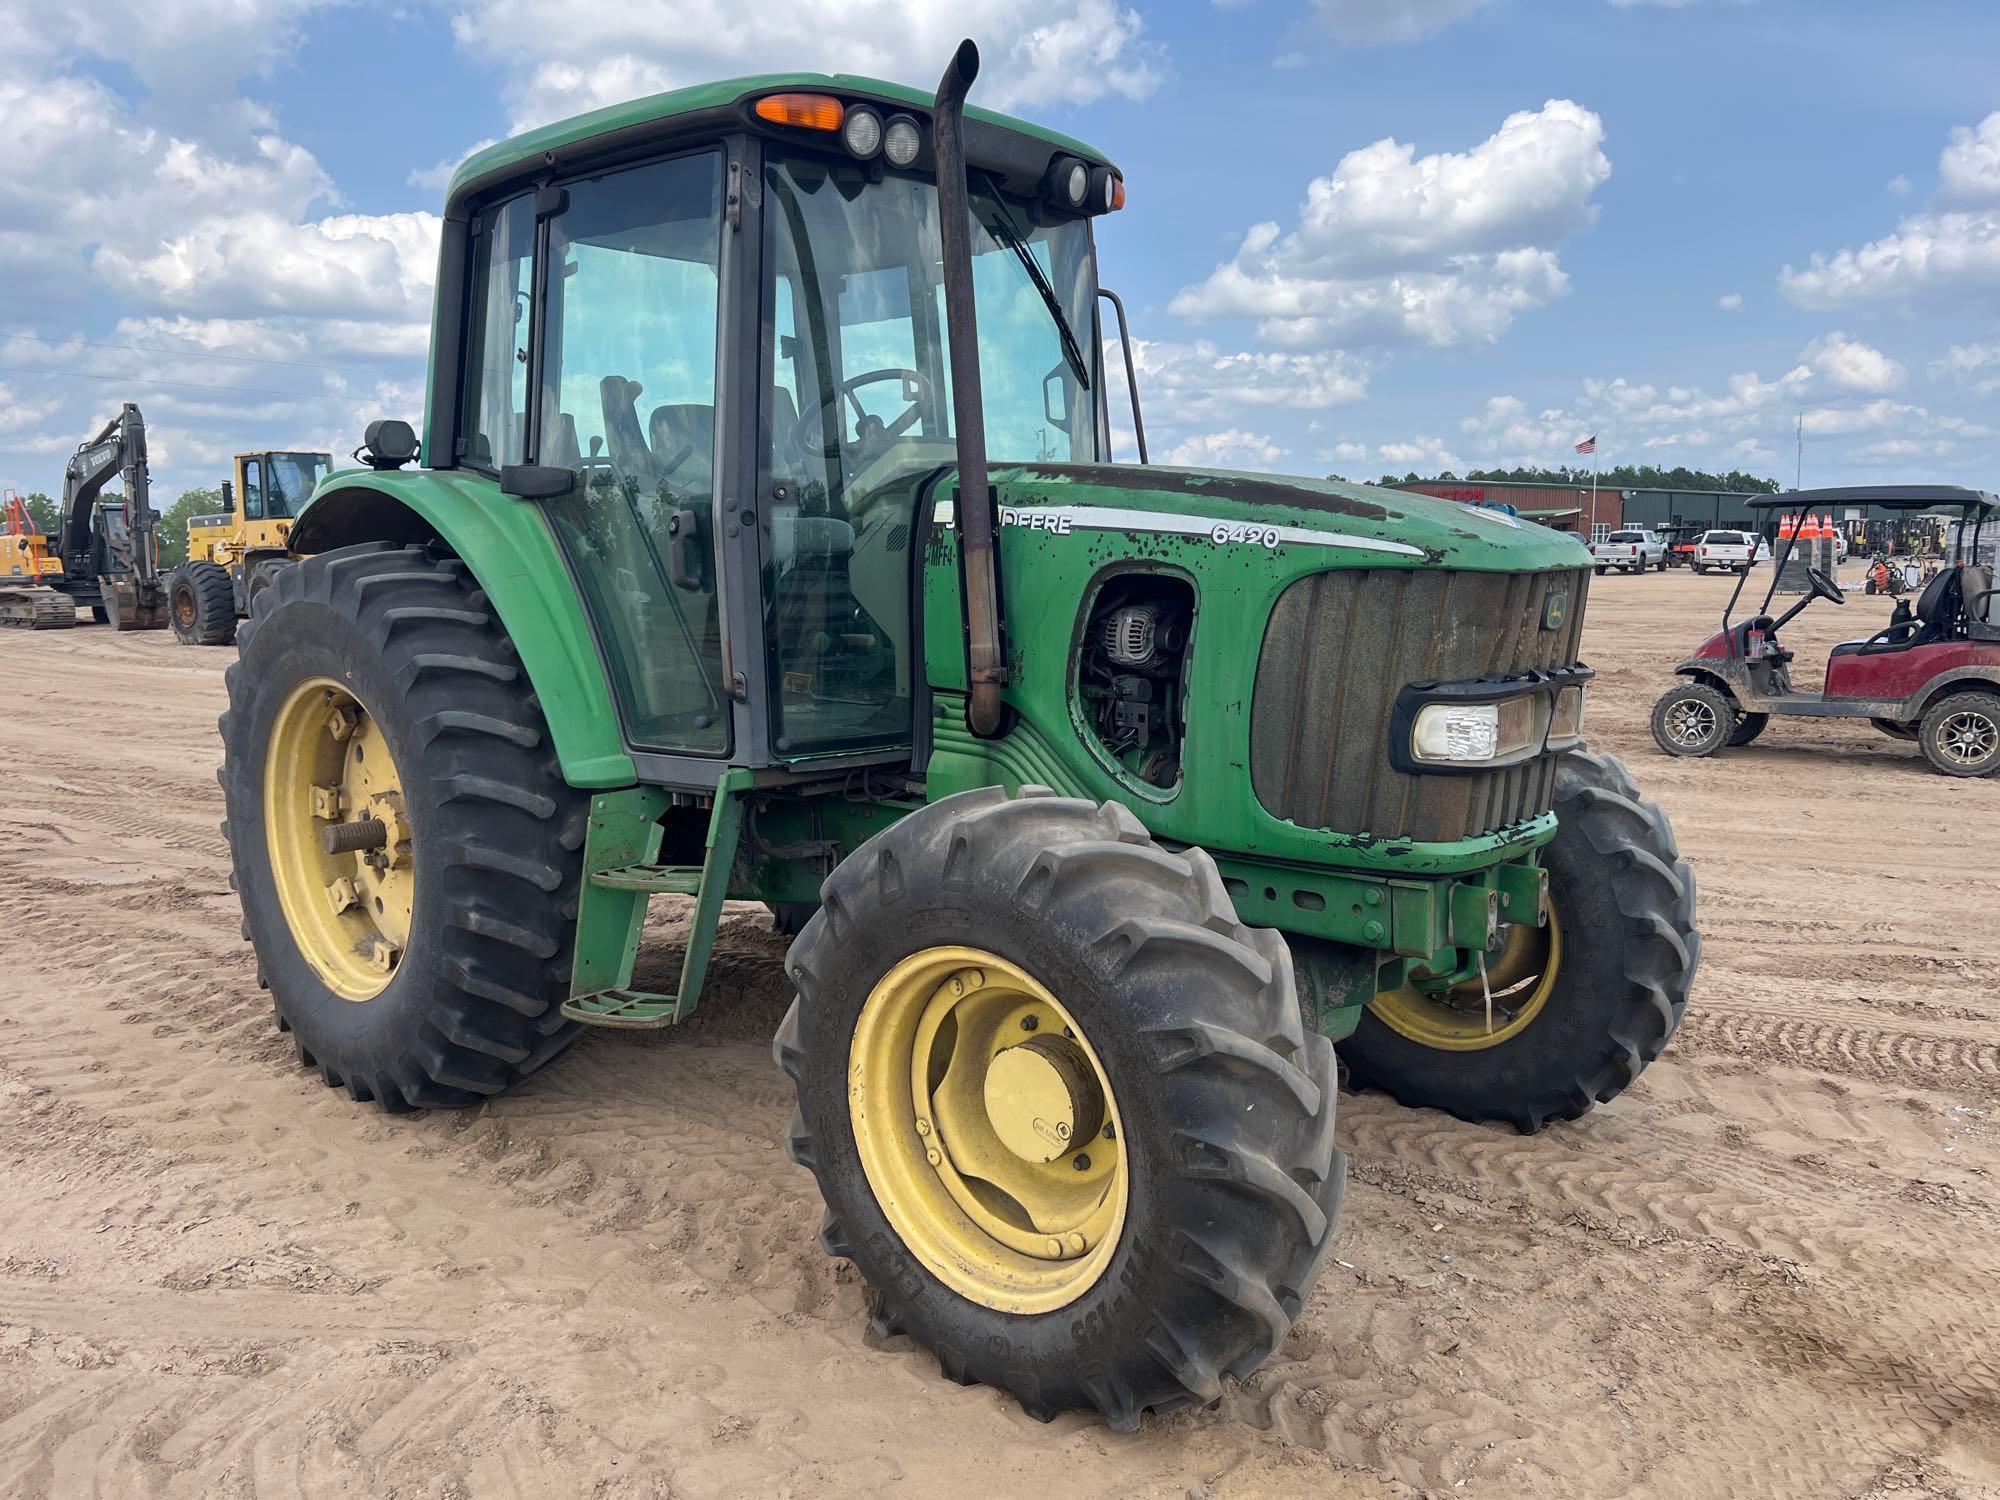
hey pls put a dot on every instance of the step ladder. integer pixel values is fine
(708, 883)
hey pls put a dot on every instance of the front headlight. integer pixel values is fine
(1480, 734)
(1566, 724)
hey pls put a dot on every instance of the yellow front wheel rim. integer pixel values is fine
(1522, 975)
(988, 1130)
(328, 767)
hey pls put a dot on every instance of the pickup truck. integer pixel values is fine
(1731, 550)
(1632, 550)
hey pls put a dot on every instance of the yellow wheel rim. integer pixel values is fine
(1522, 976)
(988, 1130)
(347, 894)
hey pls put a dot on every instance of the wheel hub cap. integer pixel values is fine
(1521, 973)
(338, 836)
(987, 1129)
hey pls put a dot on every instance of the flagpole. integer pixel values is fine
(1593, 481)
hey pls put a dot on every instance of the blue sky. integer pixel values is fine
(1489, 227)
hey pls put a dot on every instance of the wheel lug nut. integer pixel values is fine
(923, 1127)
(934, 1156)
(1082, 1162)
(1055, 1247)
(1110, 1133)
(1029, 1023)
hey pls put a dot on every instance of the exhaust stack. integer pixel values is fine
(988, 673)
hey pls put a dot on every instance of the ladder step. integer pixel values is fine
(634, 1010)
(670, 880)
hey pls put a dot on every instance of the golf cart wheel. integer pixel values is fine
(1748, 727)
(1960, 734)
(407, 854)
(1600, 570)
(1065, 1114)
(1580, 1006)
(201, 604)
(1692, 718)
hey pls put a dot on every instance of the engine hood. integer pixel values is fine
(1273, 510)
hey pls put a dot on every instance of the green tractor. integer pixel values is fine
(1104, 798)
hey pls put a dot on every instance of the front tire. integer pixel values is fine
(1623, 947)
(201, 604)
(1217, 1104)
(428, 970)
(1693, 719)
(1960, 734)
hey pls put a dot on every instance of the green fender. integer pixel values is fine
(510, 550)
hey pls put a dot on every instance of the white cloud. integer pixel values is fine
(1229, 449)
(1891, 448)
(1946, 253)
(1395, 248)
(564, 58)
(1853, 366)
(1901, 185)
(1347, 452)
(380, 265)
(1730, 302)
(1427, 455)
(1193, 382)
(437, 178)
(1361, 22)
(1969, 165)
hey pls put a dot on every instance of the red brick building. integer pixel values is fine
(1565, 507)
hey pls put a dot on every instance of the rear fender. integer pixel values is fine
(513, 555)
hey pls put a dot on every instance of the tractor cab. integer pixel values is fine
(1930, 674)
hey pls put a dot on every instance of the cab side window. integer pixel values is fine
(493, 421)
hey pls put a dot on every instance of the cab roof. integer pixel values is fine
(1979, 503)
(658, 109)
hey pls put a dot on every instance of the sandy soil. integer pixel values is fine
(1773, 1267)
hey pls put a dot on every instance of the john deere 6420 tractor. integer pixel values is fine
(1109, 796)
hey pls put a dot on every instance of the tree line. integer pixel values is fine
(1624, 477)
(172, 527)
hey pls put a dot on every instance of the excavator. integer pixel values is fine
(104, 555)
(25, 560)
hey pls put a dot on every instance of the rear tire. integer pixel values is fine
(1224, 1100)
(201, 604)
(1693, 719)
(1748, 727)
(472, 1005)
(1625, 904)
(1960, 734)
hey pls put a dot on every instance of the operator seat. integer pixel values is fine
(683, 440)
(1938, 606)
(630, 456)
(1982, 604)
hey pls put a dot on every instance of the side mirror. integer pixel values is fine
(536, 481)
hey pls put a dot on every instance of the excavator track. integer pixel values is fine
(36, 611)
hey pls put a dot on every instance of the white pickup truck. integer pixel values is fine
(1731, 550)
(1634, 550)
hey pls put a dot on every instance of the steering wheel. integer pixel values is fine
(1825, 587)
(871, 433)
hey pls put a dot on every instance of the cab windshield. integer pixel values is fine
(857, 414)
(289, 480)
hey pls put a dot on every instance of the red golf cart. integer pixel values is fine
(1932, 674)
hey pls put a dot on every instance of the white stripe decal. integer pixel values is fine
(1064, 519)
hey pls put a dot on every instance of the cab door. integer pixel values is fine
(617, 383)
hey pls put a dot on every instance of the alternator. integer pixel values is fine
(1129, 635)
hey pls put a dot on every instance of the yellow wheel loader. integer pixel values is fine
(232, 555)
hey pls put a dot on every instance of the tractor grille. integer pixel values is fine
(1342, 645)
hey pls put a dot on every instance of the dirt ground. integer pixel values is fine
(1773, 1267)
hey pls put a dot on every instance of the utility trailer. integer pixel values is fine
(1109, 797)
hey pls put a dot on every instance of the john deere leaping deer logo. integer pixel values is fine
(1555, 610)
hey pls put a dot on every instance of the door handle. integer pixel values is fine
(684, 558)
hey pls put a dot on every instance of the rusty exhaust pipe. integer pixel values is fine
(986, 670)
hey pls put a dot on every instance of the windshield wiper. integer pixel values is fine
(1007, 233)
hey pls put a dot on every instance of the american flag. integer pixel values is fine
(1588, 445)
